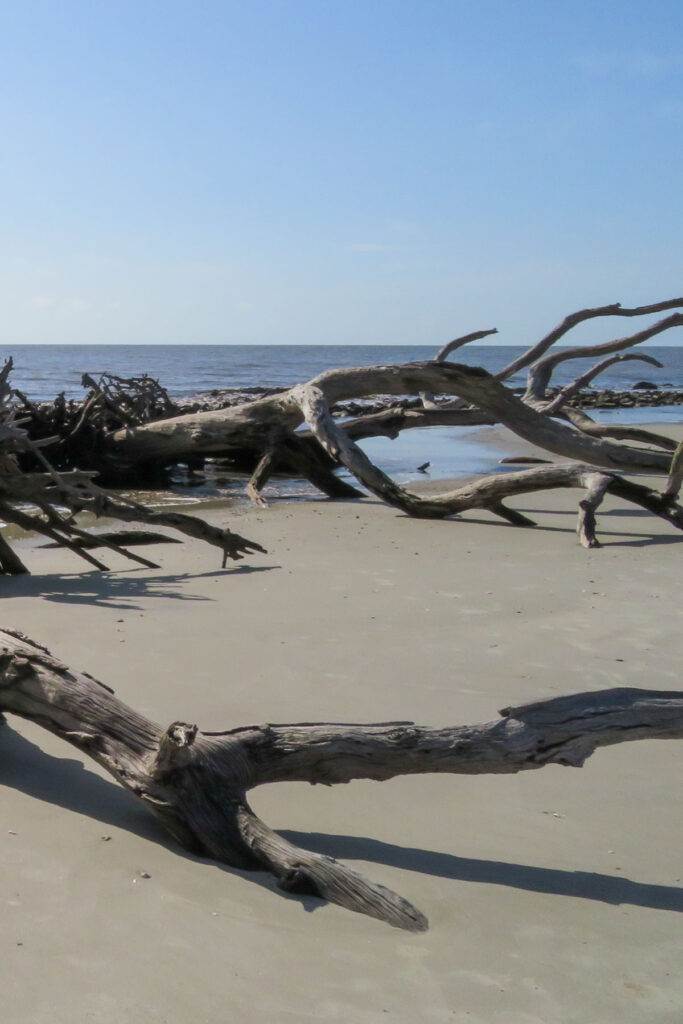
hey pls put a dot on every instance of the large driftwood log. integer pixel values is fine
(213, 432)
(481, 399)
(266, 432)
(196, 783)
(490, 492)
(250, 424)
(151, 437)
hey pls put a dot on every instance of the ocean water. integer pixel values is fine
(44, 370)
(41, 371)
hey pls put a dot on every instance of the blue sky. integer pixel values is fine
(335, 172)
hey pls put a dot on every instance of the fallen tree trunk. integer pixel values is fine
(264, 436)
(214, 432)
(196, 783)
(251, 426)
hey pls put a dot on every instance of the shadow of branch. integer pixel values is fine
(115, 589)
(67, 783)
(582, 884)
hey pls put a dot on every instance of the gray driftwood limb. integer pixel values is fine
(675, 481)
(196, 783)
(58, 497)
(266, 434)
(487, 492)
(536, 351)
(541, 371)
(480, 398)
(214, 432)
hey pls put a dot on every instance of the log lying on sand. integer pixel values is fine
(489, 492)
(213, 433)
(196, 783)
(481, 399)
(132, 442)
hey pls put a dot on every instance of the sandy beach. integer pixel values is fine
(280, 281)
(553, 896)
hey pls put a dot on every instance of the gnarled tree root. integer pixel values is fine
(196, 783)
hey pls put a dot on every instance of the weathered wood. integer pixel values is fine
(50, 492)
(487, 492)
(586, 425)
(457, 343)
(259, 478)
(584, 379)
(581, 316)
(246, 425)
(541, 371)
(196, 783)
(131, 538)
(82, 496)
(264, 434)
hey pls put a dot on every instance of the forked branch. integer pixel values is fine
(572, 320)
(541, 371)
(196, 783)
(584, 379)
(487, 492)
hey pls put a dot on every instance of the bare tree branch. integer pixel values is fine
(451, 346)
(616, 309)
(541, 371)
(675, 481)
(568, 392)
(51, 491)
(587, 425)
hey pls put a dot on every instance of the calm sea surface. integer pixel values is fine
(41, 371)
(44, 370)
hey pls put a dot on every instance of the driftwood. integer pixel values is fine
(77, 493)
(480, 399)
(213, 433)
(137, 433)
(297, 431)
(196, 783)
(59, 497)
(489, 492)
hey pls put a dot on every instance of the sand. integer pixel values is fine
(554, 897)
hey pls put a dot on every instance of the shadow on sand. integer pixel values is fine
(66, 783)
(116, 588)
(587, 885)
